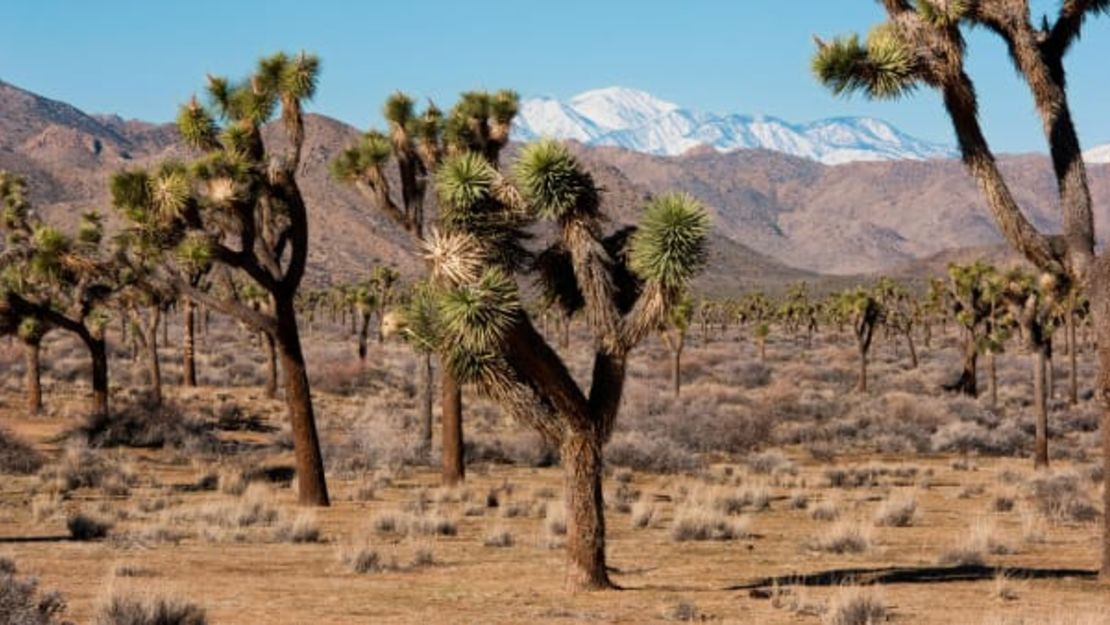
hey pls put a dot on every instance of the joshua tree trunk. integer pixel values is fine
(762, 349)
(913, 350)
(928, 335)
(1073, 347)
(454, 462)
(312, 488)
(861, 385)
(188, 342)
(427, 386)
(363, 335)
(271, 366)
(154, 369)
(993, 370)
(98, 353)
(1040, 359)
(583, 468)
(967, 383)
(32, 349)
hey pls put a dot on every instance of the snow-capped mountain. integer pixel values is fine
(639, 121)
(1100, 154)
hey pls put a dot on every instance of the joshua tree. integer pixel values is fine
(1032, 306)
(673, 332)
(625, 283)
(239, 207)
(863, 310)
(900, 311)
(417, 322)
(971, 310)
(51, 280)
(480, 122)
(922, 43)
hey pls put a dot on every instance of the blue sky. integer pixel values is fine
(141, 58)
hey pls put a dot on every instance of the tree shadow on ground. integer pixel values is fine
(911, 575)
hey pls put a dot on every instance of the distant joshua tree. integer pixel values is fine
(626, 284)
(862, 309)
(479, 123)
(239, 206)
(52, 280)
(673, 332)
(922, 43)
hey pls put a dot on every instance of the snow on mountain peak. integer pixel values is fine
(639, 121)
(1100, 154)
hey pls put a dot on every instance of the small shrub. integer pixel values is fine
(640, 452)
(16, 456)
(555, 523)
(768, 462)
(853, 605)
(498, 537)
(643, 514)
(683, 611)
(303, 529)
(1060, 496)
(84, 527)
(826, 511)
(365, 560)
(122, 610)
(897, 512)
(144, 424)
(701, 524)
(844, 537)
(21, 603)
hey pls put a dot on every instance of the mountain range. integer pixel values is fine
(777, 217)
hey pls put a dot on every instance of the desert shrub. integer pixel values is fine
(122, 610)
(365, 560)
(853, 605)
(84, 527)
(1060, 496)
(683, 611)
(141, 423)
(643, 514)
(81, 467)
(825, 511)
(701, 523)
(982, 538)
(498, 537)
(897, 512)
(378, 438)
(395, 522)
(555, 521)
(522, 449)
(844, 537)
(16, 456)
(303, 529)
(769, 461)
(967, 436)
(641, 452)
(21, 603)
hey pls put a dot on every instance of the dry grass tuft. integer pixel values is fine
(844, 537)
(853, 605)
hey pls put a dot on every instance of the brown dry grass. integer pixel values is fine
(772, 447)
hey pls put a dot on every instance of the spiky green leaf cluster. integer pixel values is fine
(462, 183)
(671, 245)
(881, 69)
(940, 16)
(196, 125)
(372, 150)
(553, 182)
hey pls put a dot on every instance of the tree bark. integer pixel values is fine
(967, 383)
(311, 484)
(1073, 347)
(861, 385)
(32, 352)
(1040, 458)
(188, 342)
(363, 336)
(427, 386)
(271, 366)
(913, 350)
(98, 352)
(454, 462)
(993, 370)
(154, 368)
(582, 467)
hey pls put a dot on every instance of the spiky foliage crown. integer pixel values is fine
(883, 67)
(671, 245)
(553, 182)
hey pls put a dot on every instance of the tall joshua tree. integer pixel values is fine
(673, 333)
(922, 43)
(239, 206)
(968, 287)
(49, 279)
(625, 283)
(480, 123)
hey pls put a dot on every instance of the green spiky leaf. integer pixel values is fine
(671, 245)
